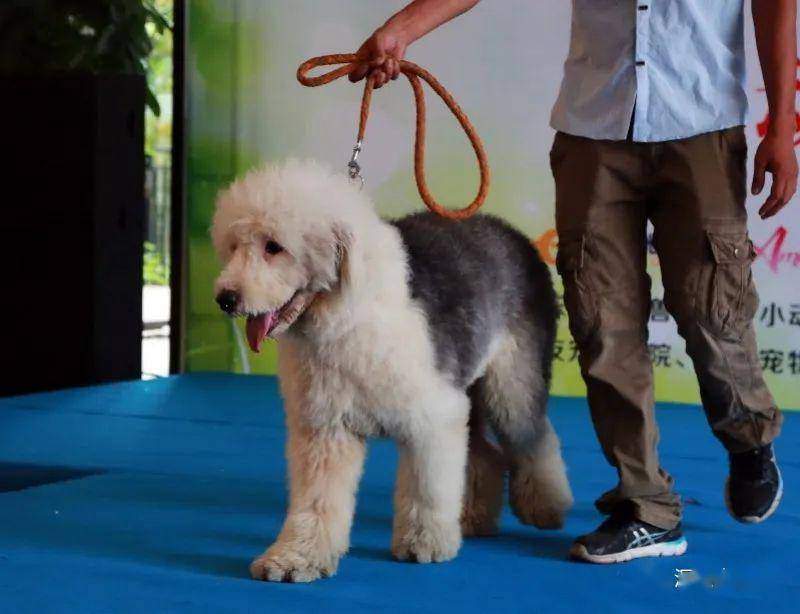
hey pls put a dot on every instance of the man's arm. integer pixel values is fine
(386, 47)
(775, 23)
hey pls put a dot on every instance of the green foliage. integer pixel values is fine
(94, 36)
(155, 271)
(158, 128)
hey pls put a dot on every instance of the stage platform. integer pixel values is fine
(153, 496)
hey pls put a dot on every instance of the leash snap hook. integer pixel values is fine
(353, 167)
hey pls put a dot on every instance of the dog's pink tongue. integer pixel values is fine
(258, 327)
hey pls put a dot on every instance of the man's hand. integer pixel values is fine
(383, 50)
(775, 155)
(776, 38)
(381, 53)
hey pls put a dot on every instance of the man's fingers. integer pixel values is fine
(394, 69)
(359, 73)
(774, 208)
(768, 208)
(380, 78)
(776, 197)
(791, 188)
(378, 60)
(782, 198)
(759, 176)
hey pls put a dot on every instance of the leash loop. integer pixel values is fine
(414, 74)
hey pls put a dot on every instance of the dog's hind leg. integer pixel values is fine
(539, 491)
(483, 495)
(515, 388)
(430, 483)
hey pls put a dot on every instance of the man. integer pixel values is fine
(649, 122)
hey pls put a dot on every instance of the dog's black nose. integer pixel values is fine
(228, 300)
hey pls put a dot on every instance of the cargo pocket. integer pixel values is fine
(580, 300)
(732, 297)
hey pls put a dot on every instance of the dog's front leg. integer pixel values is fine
(324, 469)
(428, 496)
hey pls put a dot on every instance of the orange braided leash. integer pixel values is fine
(414, 73)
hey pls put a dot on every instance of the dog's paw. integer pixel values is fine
(541, 517)
(540, 511)
(428, 544)
(282, 564)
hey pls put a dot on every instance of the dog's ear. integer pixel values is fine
(343, 238)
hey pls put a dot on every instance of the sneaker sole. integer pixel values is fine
(673, 548)
(754, 519)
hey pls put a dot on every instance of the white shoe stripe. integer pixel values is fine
(755, 519)
(673, 548)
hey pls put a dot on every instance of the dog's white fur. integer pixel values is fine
(360, 362)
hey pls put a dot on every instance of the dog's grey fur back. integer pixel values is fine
(477, 279)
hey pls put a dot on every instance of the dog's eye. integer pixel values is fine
(272, 248)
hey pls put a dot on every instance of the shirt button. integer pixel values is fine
(643, 7)
(736, 251)
(640, 62)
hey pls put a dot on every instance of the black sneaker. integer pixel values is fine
(755, 486)
(621, 539)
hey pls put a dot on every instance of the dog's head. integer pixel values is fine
(283, 234)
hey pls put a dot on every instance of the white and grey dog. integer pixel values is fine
(423, 329)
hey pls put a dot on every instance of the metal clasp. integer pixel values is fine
(353, 167)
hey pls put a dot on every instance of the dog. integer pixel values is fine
(426, 330)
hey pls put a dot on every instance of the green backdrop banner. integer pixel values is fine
(502, 62)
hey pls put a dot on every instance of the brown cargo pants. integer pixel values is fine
(693, 191)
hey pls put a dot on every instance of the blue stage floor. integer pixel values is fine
(154, 496)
